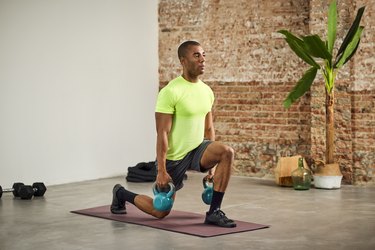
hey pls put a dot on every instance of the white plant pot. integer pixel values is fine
(327, 182)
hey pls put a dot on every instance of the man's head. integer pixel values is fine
(192, 58)
(182, 49)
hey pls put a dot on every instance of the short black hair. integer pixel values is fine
(183, 48)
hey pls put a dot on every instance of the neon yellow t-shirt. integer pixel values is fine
(189, 103)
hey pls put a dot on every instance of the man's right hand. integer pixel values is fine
(162, 179)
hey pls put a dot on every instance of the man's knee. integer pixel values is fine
(228, 153)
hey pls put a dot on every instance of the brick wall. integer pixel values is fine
(251, 69)
(362, 90)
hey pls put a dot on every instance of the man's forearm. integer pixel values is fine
(161, 150)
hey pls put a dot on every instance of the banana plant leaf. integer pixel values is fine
(332, 26)
(347, 59)
(302, 86)
(316, 47)
(298, 46)
(350, 48)
(352, 31)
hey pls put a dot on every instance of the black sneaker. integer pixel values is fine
(116, 207)
(218, 218)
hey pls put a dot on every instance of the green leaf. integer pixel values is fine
(349, 49)
(352, 31)
(332, 24)
(352, 54)
(298, 46)
(302, 86)
(316, 47)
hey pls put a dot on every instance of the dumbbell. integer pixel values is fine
(163, 201)
(26, 192)
(14, 189)
(207, 191)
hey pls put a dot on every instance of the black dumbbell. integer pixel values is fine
(14, 189)
(26, 192)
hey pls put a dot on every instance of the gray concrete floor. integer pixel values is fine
(313, 219)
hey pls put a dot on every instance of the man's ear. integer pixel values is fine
(182, 60)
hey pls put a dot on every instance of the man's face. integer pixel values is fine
(194, 60)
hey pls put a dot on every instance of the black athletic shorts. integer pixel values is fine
(177, 169)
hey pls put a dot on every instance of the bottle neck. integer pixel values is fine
(300, 163)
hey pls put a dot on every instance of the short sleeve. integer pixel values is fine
(165, 103)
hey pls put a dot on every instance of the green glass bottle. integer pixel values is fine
(301, 177)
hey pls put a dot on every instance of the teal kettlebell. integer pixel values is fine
(163, 201)
(207, 192)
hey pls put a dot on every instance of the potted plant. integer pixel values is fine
(319, 54)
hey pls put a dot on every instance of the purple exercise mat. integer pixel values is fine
(176, 221)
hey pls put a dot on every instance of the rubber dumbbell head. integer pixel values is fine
(39, 188)
(14, 189)
(26, 192)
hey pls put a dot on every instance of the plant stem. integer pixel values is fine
(330, 124)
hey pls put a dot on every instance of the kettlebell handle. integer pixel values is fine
(205, 181)
(171, 191)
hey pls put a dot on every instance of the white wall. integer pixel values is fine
(78, 84)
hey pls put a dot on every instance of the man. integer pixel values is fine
(185, 139)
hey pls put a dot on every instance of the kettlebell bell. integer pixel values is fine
(207, 192)
(163, 201)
